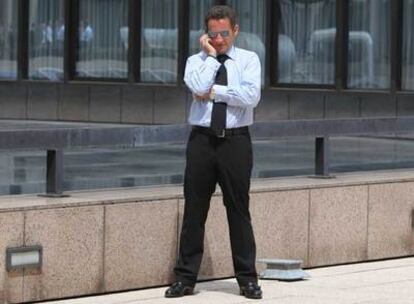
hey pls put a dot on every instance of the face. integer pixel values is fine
(223, 34)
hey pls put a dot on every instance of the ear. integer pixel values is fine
(236, 30)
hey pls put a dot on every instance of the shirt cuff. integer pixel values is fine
(220, 93)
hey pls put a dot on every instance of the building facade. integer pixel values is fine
(123, 61)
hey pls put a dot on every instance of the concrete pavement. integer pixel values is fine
(382, 282)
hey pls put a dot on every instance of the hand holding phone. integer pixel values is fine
(205, 44)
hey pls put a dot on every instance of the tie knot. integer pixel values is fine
(222, 58)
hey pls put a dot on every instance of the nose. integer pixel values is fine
(219, 37)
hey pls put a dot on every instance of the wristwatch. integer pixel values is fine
(212, 94)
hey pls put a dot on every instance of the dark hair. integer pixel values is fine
(221, 12)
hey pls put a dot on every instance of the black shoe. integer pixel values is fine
(178, 289)
(251, 291)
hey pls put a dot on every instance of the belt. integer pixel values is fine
(226, 132)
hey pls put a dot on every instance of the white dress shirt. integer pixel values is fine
(47, 35)
(241, 94)
(87, 34)
(60, 35)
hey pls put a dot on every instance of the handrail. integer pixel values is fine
(58, 136)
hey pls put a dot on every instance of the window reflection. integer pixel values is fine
(102, 33)
(198, 10)
(159, 52)
(307, 33)
(46, 38)
(369, 44)
(252, 27)
(408, 46)
(8, 39)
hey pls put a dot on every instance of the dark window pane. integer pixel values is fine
(307, 33)
(369, 44)
(103, 39)
(408, 46)
(159, 52)
(252, 27)
(46, 37)
(8, 39)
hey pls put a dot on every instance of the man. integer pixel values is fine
(47, 34)
(86, 32)
(60, 32)
(225, 82)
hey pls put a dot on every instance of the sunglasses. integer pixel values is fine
(223, 34)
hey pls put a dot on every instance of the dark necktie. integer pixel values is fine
(218, 115)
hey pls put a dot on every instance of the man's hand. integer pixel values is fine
(206, 46)
(205, 97)
(210, 50)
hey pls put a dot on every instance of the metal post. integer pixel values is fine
(54, 174)
(322, 157)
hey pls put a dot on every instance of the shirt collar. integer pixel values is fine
(231, 52)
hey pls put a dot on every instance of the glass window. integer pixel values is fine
(369, 44)
(252, 28)
(198, 10)
(408, 46)
(8, 39)
(103, 39)
(46, 37)
(307, 34)
(159, 51)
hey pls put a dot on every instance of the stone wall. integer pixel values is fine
(103, 241)
(155, 104)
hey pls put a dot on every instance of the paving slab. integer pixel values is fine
(381, 282)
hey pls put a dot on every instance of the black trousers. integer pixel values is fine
(228, 162)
